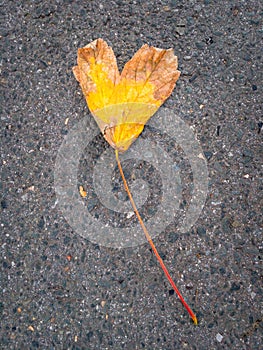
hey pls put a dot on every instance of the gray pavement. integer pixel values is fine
(60, 290)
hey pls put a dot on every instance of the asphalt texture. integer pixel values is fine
(62, 291)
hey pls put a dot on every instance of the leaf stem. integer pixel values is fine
(194, 318)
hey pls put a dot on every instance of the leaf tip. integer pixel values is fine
(194, 318)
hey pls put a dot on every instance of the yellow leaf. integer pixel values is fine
(122, 103)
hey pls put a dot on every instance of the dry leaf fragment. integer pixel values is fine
(82, 192)
(122, 103)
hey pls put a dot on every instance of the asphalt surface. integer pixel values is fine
(62, 291)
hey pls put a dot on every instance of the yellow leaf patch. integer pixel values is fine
(122, 103)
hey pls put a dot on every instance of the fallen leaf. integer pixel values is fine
(122, 103)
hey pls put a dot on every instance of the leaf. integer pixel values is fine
(122, 104)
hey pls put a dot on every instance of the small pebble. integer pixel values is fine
(130, 214)
(4, 204)
(201, 156)
(24, 197)
(219, 337)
